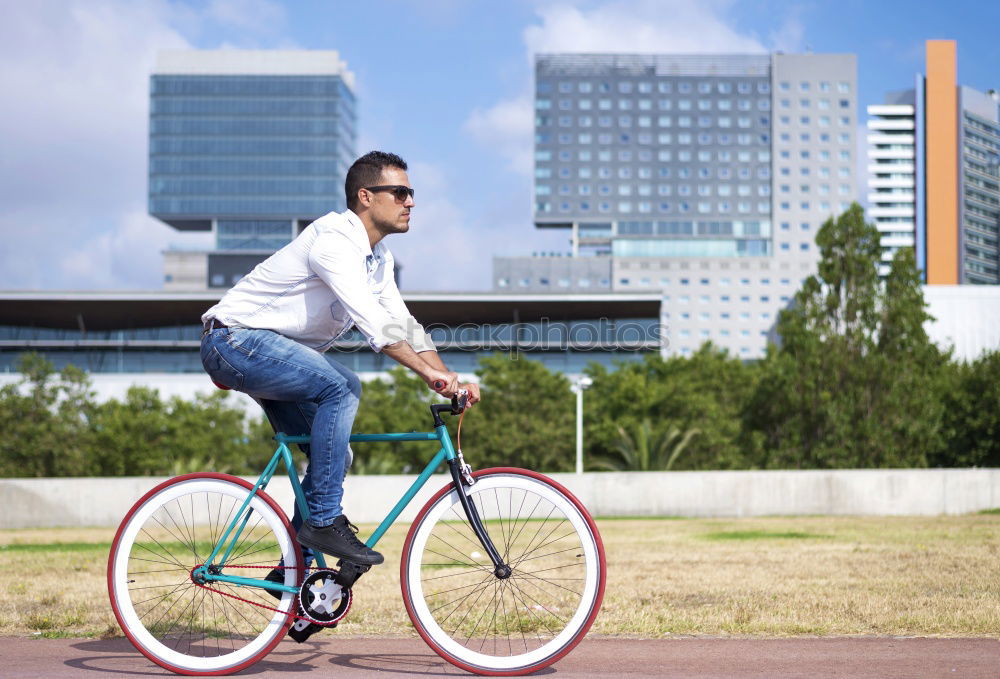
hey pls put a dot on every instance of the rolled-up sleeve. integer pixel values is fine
(413, 332)
(340, 264)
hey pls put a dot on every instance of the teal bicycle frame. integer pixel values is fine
(211, 570)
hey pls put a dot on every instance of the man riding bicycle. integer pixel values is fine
(267, 335)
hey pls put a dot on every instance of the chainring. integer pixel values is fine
(322, 600)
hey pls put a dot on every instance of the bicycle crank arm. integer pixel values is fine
(500, 569)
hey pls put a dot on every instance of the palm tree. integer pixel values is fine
(645, 450)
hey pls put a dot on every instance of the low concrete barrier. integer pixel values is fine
(36, 503)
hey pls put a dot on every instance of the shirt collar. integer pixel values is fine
(358, 234)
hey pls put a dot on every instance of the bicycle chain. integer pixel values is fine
(294, 616)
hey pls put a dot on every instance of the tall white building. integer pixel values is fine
(892, 159)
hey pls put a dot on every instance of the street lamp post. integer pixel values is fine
(581, 384)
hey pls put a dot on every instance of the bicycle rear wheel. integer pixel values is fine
(511, 626)
(177, 624)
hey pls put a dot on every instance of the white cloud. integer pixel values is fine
(74, 124)
(790, 35)
(509, 125)
(130, 253)
(449, 246)
(645, 26)
(261, 17)
(439, 251)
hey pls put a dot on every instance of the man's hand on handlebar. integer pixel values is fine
(444, 383)
(473, 390)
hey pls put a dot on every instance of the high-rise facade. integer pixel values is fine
(979, 223)
(892, 154)
(250, 145)
(704, 177)
(934, 155)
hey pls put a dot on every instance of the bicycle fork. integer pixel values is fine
(462, 475)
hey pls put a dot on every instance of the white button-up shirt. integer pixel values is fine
(320, 285)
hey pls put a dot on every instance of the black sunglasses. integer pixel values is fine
(399, 191)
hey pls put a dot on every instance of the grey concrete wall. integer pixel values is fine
(33, 503)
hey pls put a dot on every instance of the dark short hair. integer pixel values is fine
(367, 171)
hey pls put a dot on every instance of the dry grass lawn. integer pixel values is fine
(759, 577)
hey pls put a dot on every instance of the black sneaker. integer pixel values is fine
(339, 539)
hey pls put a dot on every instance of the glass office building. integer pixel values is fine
(653, 146)
(701, 177)
(980, 180)
(250, 145)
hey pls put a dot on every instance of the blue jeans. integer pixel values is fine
(301, 392)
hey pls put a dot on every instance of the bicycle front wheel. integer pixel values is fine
(188, 629)
(517, 625)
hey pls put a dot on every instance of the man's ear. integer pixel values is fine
(364, 198)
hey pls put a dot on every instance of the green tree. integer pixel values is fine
(706, 392)
(397, 402)
(526, 418)
(45, 418)
(855, 382)
(644, 449)
(146, 435)
(214, 432)
(971, 429)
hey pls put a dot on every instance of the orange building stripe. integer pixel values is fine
(942, 163)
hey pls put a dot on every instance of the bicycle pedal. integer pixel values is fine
(348, 573)
(303, 629)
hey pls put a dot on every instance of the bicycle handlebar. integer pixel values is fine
(459, 402)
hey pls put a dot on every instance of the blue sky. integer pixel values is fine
(445, 83)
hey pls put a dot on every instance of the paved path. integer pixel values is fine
(690, 658)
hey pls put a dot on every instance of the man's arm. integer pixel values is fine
(393, 303)
(434, 360)
(428, 371)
